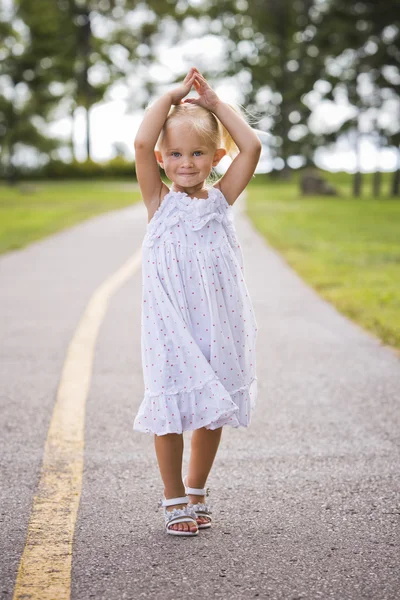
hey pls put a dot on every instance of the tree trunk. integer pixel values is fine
(376, 176)
(357, 179)
(71, 140)
(376, 184)
(282, 32)
(11, 171)
(395, 183)
(396, 177)
(357, 184)
(86, 91)
(88, 149)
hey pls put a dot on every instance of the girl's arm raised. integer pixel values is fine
(240, 172)
(243, 166)
(147, 171)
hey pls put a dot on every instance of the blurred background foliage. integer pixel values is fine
(58, 56)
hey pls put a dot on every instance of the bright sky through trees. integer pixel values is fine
(307, 80)
(111, 123)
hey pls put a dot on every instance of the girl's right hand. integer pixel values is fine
(181, 91)
(207, 97)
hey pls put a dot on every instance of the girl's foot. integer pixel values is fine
(182, 526)
(194, 500)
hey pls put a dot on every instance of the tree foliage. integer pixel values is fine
(64, 54)
(24, 106)
(286, 56)
(360, 43)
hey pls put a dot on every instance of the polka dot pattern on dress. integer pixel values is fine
(198, 327)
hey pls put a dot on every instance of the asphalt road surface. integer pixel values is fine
(305, 501)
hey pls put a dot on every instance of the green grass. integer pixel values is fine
(347, 249)
(30, 212)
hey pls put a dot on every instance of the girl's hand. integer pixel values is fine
(207, 97)
(181, 91)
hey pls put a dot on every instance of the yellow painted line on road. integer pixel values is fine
(45, 568)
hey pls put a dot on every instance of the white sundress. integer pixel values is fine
(198, 327)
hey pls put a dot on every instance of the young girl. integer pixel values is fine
(198, 323)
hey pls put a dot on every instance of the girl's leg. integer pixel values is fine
(169, 451)
(204, 448)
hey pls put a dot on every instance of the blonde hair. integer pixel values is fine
(205, 123)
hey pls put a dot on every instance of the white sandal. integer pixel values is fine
(178, 515)
(201, 509)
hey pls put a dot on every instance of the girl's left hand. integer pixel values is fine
(207, 97)
(182, 90)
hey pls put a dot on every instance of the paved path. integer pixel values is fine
(306, 500)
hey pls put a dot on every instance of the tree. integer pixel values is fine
(73, 51)
(360, 43)
(21, 110)
(105, 44)
(271, 43)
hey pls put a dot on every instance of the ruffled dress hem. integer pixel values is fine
(187, 411)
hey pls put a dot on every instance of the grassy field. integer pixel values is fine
(347, 249)
(31, 211)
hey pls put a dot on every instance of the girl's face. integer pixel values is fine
(186, 157)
